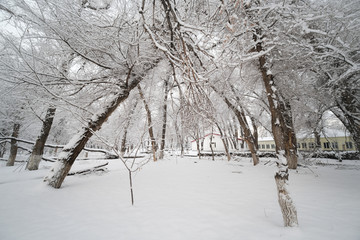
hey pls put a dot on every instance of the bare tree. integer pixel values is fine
(38, 149)
(149, 123)
(164, 119)
(14, 146)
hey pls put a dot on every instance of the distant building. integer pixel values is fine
(332, 140)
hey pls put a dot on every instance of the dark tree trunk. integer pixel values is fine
(248, 137)
(14, 146)
(255, 133)
(280, 109)
(349, 115)
(77, 143)
(163, 132)
(198, 144)
(180, 141)
(284, 136)
(241, 117)
(211, 146)
(127, 124)
(150, 127)
(226, 146)
(317, 140)
(38, 149)
(2, 149)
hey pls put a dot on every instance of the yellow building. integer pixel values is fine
(332, 141)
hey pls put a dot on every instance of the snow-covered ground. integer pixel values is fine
(180, 198)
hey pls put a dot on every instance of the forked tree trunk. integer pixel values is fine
(38, 149)
(149, 121)
(77, 143)
(163, 132)
(14, 146)
(287, 206)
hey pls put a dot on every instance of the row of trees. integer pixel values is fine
(196, 65)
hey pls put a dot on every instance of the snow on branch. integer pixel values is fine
(257, 55)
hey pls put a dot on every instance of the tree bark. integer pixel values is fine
(77, 143)
(255, 133)
(180, 140)
(349, 114)
(317, 140)
(211, 146)
(2, 149)
(226, 146)
(127, 124)
(14, 146)
(163, 132)
(241, 117)
(287, 206)
(280, 109)
(149, 121)
(38, 149)
(248, 137)
(198, 144)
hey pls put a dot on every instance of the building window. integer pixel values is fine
(213, 144)
(334, 145)
(326, 145)
(303, 145)
(267, 146)
(349, 145)
(263, 146)
(273, 146)
(311, 145)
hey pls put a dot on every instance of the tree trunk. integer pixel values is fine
(248, 137)
(127, 124)
(284, 137)
(241, 117)
(77, 143)
(287, 206)
(349, 114)
(149, 121)
(211, 147)
(255, 133)
(317, 141)
(180, 140)
(163, 132)
(280, 109)
(14, 146)
(2, 149)
(38, 149)
(226, 146)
